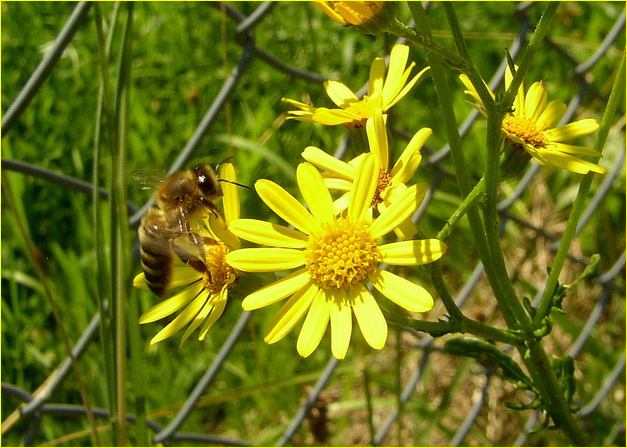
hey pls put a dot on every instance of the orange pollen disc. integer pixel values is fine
(344, 254)
(523, 129)
(384, 181)
(362, 109)
(217, 272)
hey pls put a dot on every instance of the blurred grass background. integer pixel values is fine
(182, 53)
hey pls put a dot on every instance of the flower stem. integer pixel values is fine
(486, 231)
(462, 209)
(571, 228)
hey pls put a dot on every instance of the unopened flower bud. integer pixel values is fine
(513, 161)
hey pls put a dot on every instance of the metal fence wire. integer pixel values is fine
(31, 408)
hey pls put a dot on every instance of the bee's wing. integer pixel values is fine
(188, 246)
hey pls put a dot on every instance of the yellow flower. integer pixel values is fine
(340, 175)
(351, 13)
(530, 127)
(337, 256)
(384, 91)
(207, 275)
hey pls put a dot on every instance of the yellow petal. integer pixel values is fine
(286, 206)
(332, 117)
(315, 192)
(341, 322)
(569, 162)
(377, 72)
(314, 326)
(399, 210)
(364, 187)
(378, 138)
(519, 100)
(415, 252)
(572, 130)
(276, 291)
(139, 281)
(341, 95)
(182, 319)
(407, 164)
(400, 95)
(398, 61)
(406, 230)
(304, 107)
(290, 313)
(369, 317)
(404, 293)
(269, 234)
(171, 305)
(324, 7)
(551, 115)
(470, 89)
(327, 162)
(230, 201)
(200, 317)
(535, 101)
(219, 228)
(572, 149)
(333, 183)
(216, 312)
(341, 203)
(266, 259)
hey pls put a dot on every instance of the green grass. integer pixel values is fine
(180, 58)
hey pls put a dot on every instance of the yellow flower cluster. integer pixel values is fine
(334, 245)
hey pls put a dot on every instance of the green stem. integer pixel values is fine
(462, 324)
(571, 228)
(448, 115)
(120, 237)
(423, 38)
(488, 241)
(490, 333)
(534, 45)
(426, 41)
(462, 209)
(370, 408)
(103, 291)
(453, 310)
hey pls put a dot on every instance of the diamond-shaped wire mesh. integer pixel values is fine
(484, 402)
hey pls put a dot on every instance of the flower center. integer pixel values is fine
(524, 130)
(384, 181)
(343, 255)
(217, 273)
(363, 109)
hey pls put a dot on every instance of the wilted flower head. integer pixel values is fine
(384, 91)
(367, 17)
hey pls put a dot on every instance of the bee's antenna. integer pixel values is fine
(235, 183)
(220, 163)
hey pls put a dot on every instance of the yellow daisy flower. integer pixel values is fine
(208, 276)
(340, 254)
(529, 127)
(384, 91)
(340, 175)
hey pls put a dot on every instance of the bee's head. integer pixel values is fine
(208, 183)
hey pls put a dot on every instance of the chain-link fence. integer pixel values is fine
(27, 410)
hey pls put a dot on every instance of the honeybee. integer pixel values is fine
(167, 228)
